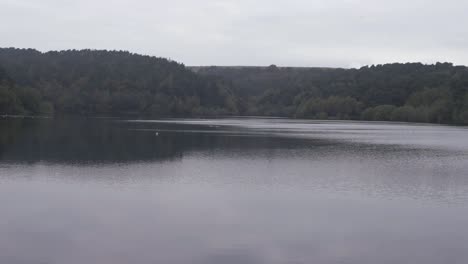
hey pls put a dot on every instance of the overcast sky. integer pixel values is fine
(332, 33)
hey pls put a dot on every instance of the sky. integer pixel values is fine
(318, 33)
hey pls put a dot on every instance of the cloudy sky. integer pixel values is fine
(332, 33)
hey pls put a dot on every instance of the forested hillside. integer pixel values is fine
(95, 82)
(392, 92)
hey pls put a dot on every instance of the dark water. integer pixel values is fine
(232, 191)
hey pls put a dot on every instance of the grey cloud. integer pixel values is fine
(331, 33)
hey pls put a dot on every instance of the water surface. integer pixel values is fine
(232, 191)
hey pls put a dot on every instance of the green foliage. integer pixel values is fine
(411, 92)
(332, 107)
(9, 103)
(30, 99)
(96, 82)
(379, 113)
(46, 108)
(410, 114)
(461, 116)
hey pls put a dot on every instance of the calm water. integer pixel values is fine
(232, 191)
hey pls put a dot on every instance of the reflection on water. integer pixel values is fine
(232, 191)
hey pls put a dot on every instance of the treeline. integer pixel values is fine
(96, 82)
(411, 92)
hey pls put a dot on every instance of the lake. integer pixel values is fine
(236, 190)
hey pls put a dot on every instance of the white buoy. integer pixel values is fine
(157, 134)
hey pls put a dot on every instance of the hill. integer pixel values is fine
(392, 92)
(99, 82)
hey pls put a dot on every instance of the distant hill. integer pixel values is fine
(400, 92)
(99, 82)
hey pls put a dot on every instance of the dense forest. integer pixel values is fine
(411, 92)
(96, 82)
(93, 82)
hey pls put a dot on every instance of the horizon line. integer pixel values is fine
(236, 65)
